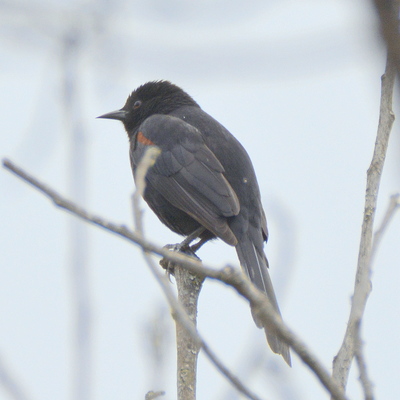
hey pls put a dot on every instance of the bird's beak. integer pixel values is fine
(120, 115)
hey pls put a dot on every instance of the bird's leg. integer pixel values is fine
(189, 239)
(200, 243)
(184, 247)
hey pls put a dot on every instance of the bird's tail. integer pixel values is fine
(255, 265)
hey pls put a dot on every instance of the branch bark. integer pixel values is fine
(189, 287)
(362, 288)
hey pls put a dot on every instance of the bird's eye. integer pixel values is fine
(137, 104)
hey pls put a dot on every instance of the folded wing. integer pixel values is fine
(188, 174)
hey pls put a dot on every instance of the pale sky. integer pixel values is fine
(298, 83)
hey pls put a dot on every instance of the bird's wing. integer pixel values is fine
(188, 174)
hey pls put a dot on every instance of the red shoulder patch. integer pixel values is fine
(143, 139)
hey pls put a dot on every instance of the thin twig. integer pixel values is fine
(362, 288)
(227, 275)
(148, 160)
(366, 383)
(10, 384)
(394, 205)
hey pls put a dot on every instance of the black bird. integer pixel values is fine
(203, 181)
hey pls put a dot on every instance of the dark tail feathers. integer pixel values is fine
(256, 267)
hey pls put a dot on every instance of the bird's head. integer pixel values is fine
(157, 97)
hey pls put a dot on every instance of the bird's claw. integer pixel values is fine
(182, 247)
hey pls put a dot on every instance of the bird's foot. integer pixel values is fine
(183, 247)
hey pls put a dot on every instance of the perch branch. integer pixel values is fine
(227, 275)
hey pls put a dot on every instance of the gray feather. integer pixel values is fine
(255, 266)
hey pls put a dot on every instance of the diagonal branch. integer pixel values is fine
(227, 275)
(11, 386)
(193, 265)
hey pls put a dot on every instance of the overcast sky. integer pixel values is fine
(298, 83)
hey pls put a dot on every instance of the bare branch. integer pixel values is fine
(10, 384)
(149, 158)
(393, 206)
(362, 288)
(189, 287)
(227, 275)
(366, 383)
